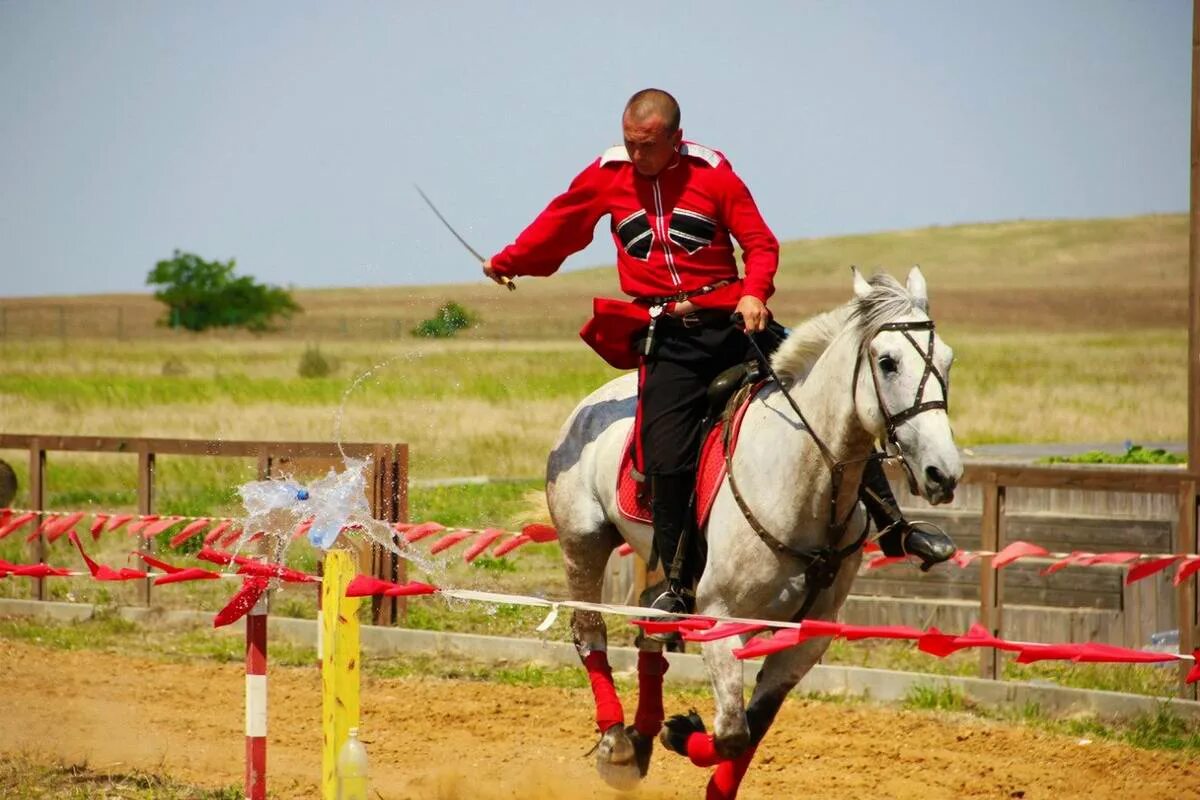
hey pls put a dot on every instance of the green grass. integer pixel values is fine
(1161, 729)
(25, 777)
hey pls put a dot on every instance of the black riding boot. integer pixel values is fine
(897, 536)
(670, 506)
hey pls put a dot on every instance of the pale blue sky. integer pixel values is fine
(288, 135)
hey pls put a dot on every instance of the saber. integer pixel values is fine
(507, 281)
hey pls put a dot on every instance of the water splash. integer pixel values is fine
(341, 409)
(337, 504)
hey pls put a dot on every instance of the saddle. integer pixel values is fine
(729, 396)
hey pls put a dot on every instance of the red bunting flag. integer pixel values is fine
(261, 570)
(1147, 568)
(117, 521)
(215, 556)
(191, 529)
(154, 529)
(1194, 673)
(303, 527)
(883, 561)
(186, 574)
(64, 524)
(963, 558)
(448, 541)
(481, 543)
(655, 626)
(367, 586)
(97, 525)
(1017, 550)
(505, 548)
(1186, 568)
(101, 572)
(230, 538)
(16, 523)
(136, 525)
(1077, 557)
(723, 631)
(537, 532)
(40, 530)
(241, 603)
(781, 639)
(217, 532)
(419, 532)
(37, 571)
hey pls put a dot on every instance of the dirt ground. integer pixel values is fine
(431, 738)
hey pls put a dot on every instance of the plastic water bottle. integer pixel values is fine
(1165, 641)
(352, 769)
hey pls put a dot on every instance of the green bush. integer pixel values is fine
(313, 364)
(449, 320)
(1134, 454)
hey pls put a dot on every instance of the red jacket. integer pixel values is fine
(672, 231)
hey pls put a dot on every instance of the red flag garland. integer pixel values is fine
(101, 572)
(367, 586)
(481, 543)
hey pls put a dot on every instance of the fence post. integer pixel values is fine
(256, 701)
(339, 663)
(1185, 595)
(145, 475)
(383, 609)
(37, 502)
(991, 595)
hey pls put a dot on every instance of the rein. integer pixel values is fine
(825, 561)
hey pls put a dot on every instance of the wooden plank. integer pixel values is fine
(1193, 416)
(37, 501)
(188, 447)
(991, 599)
(145, 505)
(1186, 542)
(1093, 477)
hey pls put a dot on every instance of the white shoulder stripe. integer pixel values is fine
(614, 153)
(711, 157)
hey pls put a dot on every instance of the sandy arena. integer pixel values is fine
(430, 738)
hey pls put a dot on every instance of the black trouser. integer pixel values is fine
(674, 383)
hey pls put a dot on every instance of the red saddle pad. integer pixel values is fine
(633, 496)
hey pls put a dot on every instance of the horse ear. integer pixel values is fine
(861, 287)
(917, 288)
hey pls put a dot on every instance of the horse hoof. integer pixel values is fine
(643, 747)
(616, 760)
(733, 746)
(677, 729)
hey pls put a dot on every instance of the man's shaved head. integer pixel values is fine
(651, 103)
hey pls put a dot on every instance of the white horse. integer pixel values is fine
(872, 370)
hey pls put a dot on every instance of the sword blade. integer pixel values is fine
(449, 227)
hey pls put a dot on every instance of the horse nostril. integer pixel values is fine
(935, 476)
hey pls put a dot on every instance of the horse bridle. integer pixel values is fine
(825, 561)
(893, 421)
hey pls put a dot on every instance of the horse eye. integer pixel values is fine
(887, 364)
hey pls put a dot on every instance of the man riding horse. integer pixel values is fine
(676, 208)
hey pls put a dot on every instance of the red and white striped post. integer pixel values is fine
(256, 701)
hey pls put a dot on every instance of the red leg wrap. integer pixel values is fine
(725, 781)
(701, 750)
(649, 717)
(608, 705)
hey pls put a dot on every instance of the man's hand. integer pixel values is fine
(491, 273)
(754, 313)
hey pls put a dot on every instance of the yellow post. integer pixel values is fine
(339, 664)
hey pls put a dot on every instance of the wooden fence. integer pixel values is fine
(387, 465)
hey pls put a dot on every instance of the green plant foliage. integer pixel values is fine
(313, 364)
(449, 320)
(1134, 454)
(203, 294)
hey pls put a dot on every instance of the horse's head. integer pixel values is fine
(901, 381)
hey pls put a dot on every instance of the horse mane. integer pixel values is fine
(888, 300)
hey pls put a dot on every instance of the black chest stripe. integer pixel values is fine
(690, 230)
(636, 235)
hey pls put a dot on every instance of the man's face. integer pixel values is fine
(650, 147)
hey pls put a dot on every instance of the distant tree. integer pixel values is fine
(203, 294)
